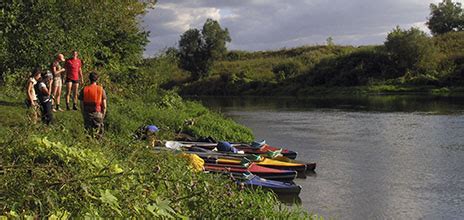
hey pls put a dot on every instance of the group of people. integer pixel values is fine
(44, 93)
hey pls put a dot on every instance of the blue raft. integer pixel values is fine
(277, 187)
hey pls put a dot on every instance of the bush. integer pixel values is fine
(354, 69)
(411, 50)
(286, 70)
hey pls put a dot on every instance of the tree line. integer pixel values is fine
(408, 57)
(104, 32)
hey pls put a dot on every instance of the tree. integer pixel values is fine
(445, 17)
(329, 42)
(192, 54)
(411, 50)
(198, 50)
(215, 39)
(104, 32)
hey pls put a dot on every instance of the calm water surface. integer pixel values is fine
(394, 157)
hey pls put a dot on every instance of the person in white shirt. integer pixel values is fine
(31, 97)
(44, 97)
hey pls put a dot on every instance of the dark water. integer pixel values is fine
(394, 157)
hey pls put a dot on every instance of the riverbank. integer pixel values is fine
(58, 171)
(335, 69)
(240, 88)
(383, 90)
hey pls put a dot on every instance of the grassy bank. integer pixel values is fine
(217, 86)
(334, 69)
(383, 90)
(59, 171)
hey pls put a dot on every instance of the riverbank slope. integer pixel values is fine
(335, 69)
(60, 171)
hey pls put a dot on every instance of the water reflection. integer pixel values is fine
(385, 103)
(289, 199)
(397, 157)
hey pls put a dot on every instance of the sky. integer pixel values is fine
(274, 24)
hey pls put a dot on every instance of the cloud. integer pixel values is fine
(271, 24)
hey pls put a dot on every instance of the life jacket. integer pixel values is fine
(93, 98)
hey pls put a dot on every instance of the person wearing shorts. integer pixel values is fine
(58, 73)
(31, 97)
(73, 68)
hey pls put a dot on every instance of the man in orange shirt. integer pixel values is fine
(73, 68)
(93, 106)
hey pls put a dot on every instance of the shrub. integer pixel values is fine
(286, 70)
(411, 50)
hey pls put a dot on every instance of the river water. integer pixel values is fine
(394, 157)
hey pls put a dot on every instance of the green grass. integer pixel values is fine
(59, 171)
(333, 70)
(255, 69)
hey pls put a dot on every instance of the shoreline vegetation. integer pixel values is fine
(59, 172)
(409, 61)
(331, 69)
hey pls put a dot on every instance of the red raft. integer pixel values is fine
(264, 172)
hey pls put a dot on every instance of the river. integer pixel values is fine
(394, 157)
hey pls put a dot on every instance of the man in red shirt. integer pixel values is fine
(73, 68)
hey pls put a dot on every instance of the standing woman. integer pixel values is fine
(31, 100)
(45, 100)
(73, 68)
(58, 73)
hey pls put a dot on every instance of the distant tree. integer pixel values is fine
(198, 50)
(329, 42)
(445, 17)
(215, 39)
(411, 50)
(171, 51)
(192, 54)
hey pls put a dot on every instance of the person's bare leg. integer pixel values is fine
(75, 86)
(58, 97)
(68, 93)
(54, 91)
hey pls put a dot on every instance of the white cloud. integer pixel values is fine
(186, 18)
(272, 24)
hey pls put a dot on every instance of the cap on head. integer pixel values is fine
(60, 57)
(152, 128)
